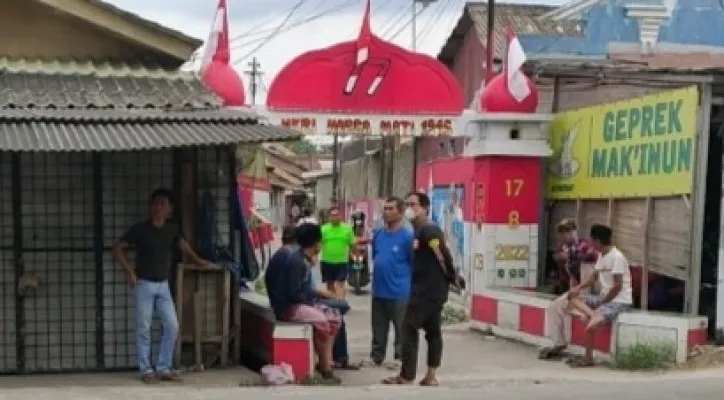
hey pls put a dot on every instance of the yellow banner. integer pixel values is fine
(633, 148)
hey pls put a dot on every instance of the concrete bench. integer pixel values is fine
(521, 315)
(264, 341)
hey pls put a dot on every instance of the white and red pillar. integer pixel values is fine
(507, 151)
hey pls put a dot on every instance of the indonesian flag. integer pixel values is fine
(365, 37)
(363, 55)
(514, 60)
(217, 45)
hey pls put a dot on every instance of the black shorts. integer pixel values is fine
(334, 272)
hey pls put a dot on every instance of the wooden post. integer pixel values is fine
(609, 215)
(179, 312)
(579, 209)
(225, 316)
(198, 312)
(648, 216)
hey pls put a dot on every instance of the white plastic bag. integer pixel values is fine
(275, 375)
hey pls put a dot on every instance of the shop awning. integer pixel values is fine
(120, 130)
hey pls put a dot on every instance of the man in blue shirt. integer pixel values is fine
(391, 280)
(275, 275)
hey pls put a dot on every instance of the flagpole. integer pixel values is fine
(490, 51)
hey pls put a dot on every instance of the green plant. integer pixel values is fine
(644, 356)
(452, 315)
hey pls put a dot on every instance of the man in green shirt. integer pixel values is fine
(338, 242)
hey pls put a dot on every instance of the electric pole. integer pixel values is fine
(254, 73)
(425, 4)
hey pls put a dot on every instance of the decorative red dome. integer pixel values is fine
(497, 98)
(392, 81)
(221, 79)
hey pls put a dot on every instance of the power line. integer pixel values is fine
(376, 10)
(259, 29)
(256, 27)
(315, 17)
(275, 32)
(395, 20)
(402, 29)
(432, 26)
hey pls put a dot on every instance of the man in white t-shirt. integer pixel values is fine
(613, 275)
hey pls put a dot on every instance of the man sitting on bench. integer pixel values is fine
(292, 295)
(614, 277)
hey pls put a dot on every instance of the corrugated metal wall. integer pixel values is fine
(8, 354)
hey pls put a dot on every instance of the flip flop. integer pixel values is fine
(431, 382)
(330, 377)
(581, 362)
(347, 366)
(551, 353)
(395, 380)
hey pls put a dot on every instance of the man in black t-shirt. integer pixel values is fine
(432, 274)
(155, 241)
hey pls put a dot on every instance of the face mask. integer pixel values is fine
(409, 214)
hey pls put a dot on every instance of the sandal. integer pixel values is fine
(581, 362)
(429, 382)
(551, 353)
(396, 380)
(346, 366)
(330, 377)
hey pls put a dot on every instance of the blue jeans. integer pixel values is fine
(150, 297)
(340, 353)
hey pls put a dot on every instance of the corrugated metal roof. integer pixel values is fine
(676, 63)
(71, 84)
(524, 19)
(128, 115)
(38, 136)
(680, 62)
(51, 105)
(100, 68)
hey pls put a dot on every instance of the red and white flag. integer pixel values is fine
(365, 37)
(363, 53)
(217, 45)
(514, 60)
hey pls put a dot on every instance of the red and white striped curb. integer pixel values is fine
(521, 316)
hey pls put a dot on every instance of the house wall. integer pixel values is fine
(29, 29)
(82, 316)
(469, 63)
(361, 177)
(322, 192)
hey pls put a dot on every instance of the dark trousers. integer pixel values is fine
(340, 353)
(425, 315)
(384, 312)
